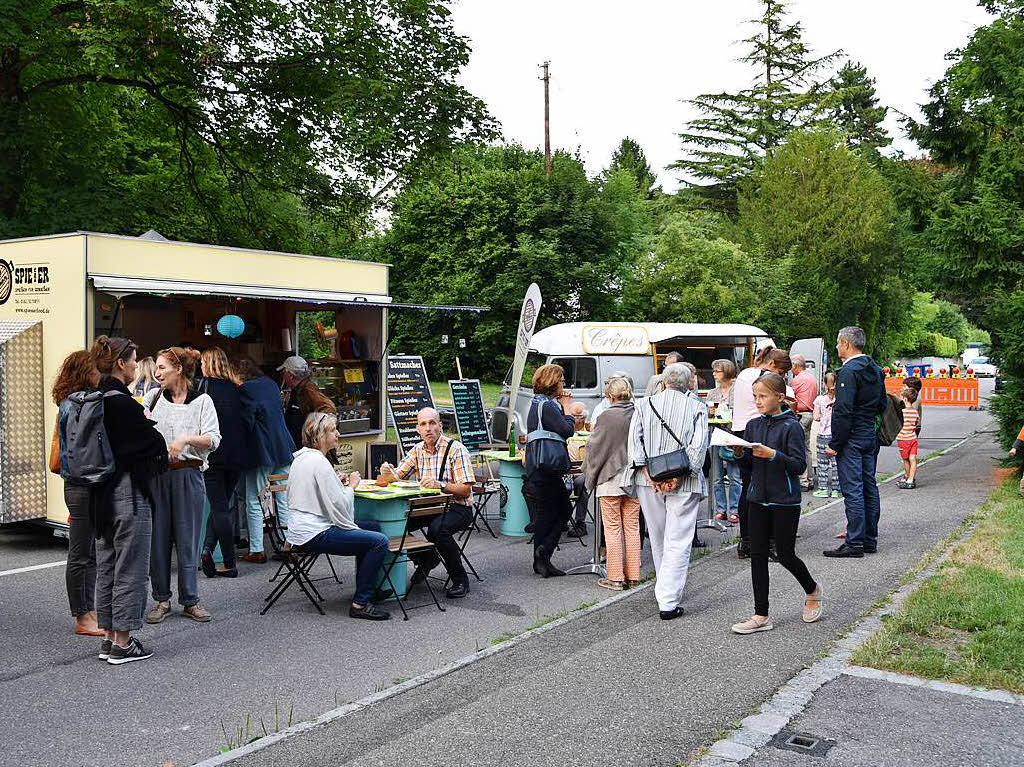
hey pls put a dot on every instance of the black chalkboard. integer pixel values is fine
(469, 413)
(408, 393)
(378, 453)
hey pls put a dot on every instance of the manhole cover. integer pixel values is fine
(802, 743)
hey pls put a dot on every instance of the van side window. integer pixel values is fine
(580, 372)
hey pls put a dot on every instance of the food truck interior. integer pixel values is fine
(342, 344)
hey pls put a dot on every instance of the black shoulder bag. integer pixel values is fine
(444, 462)
(673, 465)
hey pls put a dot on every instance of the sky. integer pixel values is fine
(623, 68)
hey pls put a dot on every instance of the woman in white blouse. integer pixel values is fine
(321, 513)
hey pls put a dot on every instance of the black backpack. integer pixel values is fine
(889, 422)
(90, 456)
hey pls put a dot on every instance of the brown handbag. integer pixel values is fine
(55, 447)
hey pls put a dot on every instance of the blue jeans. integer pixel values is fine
(368, 545)
(856, 463)
(727, 474)
(255, 480)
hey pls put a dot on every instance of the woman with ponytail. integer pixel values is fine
(187, 420)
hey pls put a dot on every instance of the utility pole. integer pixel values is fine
(547, 118)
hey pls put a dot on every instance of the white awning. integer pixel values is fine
(124, 286)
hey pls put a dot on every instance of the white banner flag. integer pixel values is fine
(527, 322)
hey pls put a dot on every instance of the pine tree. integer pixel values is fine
(630, 157)
(855, 109)
(735, 131)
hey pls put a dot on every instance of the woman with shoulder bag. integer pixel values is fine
(667, 445)
(188, 422)
(605, 469)
(78, 373)
(547, 462)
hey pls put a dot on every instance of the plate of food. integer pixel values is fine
(405, 483)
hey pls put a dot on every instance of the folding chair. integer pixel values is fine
(279, 482)
(400, 546)
(295, 563)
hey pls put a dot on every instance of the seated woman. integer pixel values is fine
(322, 513)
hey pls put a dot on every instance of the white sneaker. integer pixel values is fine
(753, 624)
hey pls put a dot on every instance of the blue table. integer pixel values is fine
(387, 508)
(514, 516)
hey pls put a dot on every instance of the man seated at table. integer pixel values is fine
(442, 463)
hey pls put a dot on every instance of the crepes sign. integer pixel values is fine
(615, 339)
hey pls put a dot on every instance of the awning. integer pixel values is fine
(121, 286)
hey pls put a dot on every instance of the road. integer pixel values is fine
(205, 681)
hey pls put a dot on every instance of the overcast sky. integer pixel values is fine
(623, 68)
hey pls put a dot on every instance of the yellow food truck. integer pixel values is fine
(57, 293)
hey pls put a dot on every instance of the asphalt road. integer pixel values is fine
(618, 685)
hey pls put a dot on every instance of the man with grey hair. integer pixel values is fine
(670, 507)
(654, 382)
(860, 396)
(805, 389)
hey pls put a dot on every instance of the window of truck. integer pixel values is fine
(580, 372)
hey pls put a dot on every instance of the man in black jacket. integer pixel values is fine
(860, 396)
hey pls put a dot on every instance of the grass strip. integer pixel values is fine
(964, 624)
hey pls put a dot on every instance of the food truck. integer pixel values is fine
(589, 352)
(57, 293)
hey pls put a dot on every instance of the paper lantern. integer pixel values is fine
(230, 326)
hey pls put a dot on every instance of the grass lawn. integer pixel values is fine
(443, 395)
(966, 623)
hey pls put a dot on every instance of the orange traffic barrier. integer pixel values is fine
(959, 392)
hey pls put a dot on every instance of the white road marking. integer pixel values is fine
(29, 569)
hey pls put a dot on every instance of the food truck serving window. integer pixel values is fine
(580, 372)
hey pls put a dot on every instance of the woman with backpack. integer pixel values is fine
(78, 373)
(227, 462)
(272, 448)
(547, 462)
(775, 463)
(123, 505)
(187, 420)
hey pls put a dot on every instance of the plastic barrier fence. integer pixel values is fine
(962, 392)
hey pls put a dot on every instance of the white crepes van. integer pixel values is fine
(590, 352)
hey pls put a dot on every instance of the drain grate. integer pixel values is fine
(802, 743)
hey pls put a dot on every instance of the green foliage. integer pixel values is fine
(481, 228)
(822, 223)
(974, 121)
(854, 108)
(249, 123)
(692, 274)
(630, 157)
(735, 131)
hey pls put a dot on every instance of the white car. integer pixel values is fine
(983, 368)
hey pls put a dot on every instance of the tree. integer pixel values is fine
(630, 157)
(735, 131)
(333, 102)
(481, 226)
(855, 110)
(974, 121)
(691, 274)
(820, 222)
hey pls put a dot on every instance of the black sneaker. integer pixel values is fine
(458, 589)
(104, 649)
(369, 612)
(845, 551)
(668, 615)
(134, 651)
(870, 549)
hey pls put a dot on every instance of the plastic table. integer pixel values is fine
(514, 516)
(387, 507)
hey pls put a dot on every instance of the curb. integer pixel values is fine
(467, 660)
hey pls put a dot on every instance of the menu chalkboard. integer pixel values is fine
(379, 453)
(469, 413)
(408, 393)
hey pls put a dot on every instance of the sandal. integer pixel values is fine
(812, 606)
(720, 515)
(605, 583)
(734, 519)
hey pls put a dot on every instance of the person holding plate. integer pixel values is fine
(443, 464)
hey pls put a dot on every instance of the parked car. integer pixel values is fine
(983, 368)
